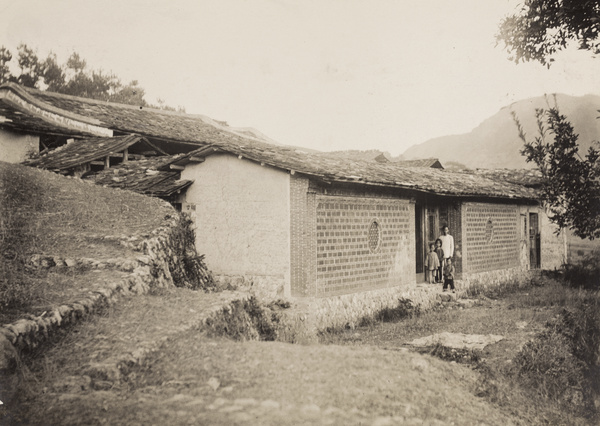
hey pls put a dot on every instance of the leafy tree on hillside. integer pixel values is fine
(72, 78)
(571, 184)
(543, 27)
(571, 187)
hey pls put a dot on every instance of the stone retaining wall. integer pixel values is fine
(151, 269)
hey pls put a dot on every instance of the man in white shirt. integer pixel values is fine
(447, 244)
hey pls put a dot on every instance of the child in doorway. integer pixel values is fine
(432, 263)
(449, 275)
(440, 253)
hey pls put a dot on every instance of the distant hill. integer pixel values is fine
(495, 142)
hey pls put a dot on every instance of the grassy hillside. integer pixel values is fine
(42, 213)
(495, 142)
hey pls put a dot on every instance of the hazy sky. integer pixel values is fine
(325, 74)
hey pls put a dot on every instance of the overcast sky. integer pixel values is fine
(324, 74)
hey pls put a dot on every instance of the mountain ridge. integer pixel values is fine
(495, 142)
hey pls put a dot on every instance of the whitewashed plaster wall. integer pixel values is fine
(242, 216)
(15, 147)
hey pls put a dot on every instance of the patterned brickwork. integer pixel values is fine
(345, 262)
(301, 236)
(492, 237)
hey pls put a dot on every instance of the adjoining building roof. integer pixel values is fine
(179, 132)
(425, 162)
(183, 132)
(331, 169)
(151, 176)
(83, 151)
(359, 155)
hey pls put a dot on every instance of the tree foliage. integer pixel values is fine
(543, 27)
(571, 184)
(71, 78)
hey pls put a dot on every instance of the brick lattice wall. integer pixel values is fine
(303, 244)
(345, 263)
(492, 237)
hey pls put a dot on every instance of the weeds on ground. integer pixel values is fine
(563, 362)
(495, 291)
(246, 320)
(460, 356)
(404, 309)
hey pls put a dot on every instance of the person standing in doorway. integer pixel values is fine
(433, 264)
(449, 275)
(447, 244)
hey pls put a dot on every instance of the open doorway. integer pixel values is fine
(427, 230)
(534, 242)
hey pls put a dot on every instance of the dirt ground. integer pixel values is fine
(362, 376)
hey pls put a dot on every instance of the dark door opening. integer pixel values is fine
(534, 242)
(427, 230)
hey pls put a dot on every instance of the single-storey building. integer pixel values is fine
(291, 222)
(300, 224)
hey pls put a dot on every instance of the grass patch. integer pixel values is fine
(404, 309)
(495, 291)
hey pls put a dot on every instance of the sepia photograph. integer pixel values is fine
(299, 212)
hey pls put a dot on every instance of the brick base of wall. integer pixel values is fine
(348, 310)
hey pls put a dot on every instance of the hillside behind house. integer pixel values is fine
(495, 143)
(45, 216)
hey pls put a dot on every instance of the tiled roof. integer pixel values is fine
(165, 125)
(527, 177)
(13, 117)
(83, 151)
(150, 176)
(203, 131)
(357, 155)
(330, 168)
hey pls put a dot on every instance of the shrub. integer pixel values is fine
(562, 363)
(585, 273)
(189, 269)
(246, 320)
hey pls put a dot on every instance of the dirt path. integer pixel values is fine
(196, 380)
(363, 376)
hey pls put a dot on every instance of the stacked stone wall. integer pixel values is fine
(152, 268)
